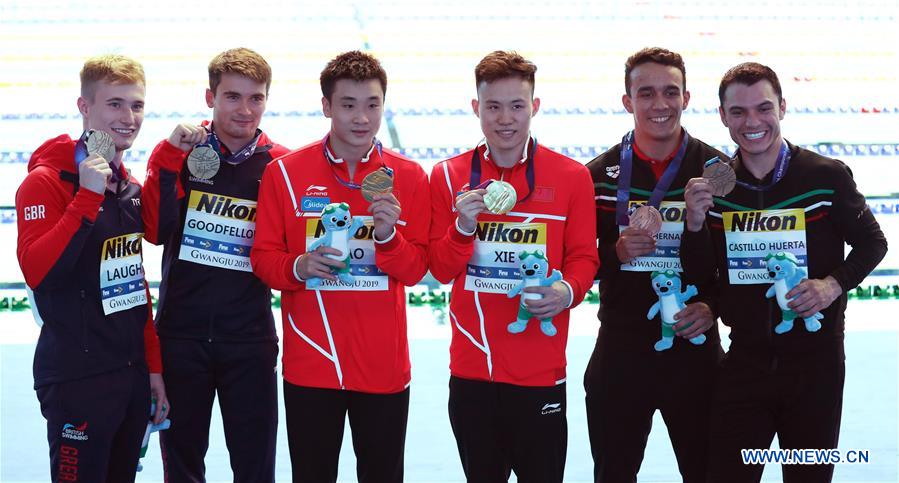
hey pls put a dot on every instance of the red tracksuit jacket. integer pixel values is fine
(557, 218)
(342, 339)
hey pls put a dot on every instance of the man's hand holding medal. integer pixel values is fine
(186, 136)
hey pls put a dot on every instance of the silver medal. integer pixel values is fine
(203, 162)
(101, 144)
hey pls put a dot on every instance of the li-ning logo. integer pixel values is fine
(315, 187)
(612, 172)
(551, 408)
(78, 433)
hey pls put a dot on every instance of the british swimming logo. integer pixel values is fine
(77, 433)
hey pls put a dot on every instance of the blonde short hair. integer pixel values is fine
(111, 68)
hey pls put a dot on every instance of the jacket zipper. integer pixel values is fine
(84, 319)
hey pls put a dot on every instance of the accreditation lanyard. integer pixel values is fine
(474, 180)
(237, 157)
(376, 144)
(624, 180)
(780, 169)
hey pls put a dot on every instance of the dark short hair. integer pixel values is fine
(749, 73)
(656, 55)
(501, 64)
(240, 61)
(354, 65)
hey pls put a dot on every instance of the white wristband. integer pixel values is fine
(570, 294)
(381, 242)
(460, 230)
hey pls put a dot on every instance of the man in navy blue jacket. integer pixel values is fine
(80, 227)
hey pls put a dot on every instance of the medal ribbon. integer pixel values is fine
(626, 160)
(81, 149)
(349, 184)
(780, 169)
(474, 180)
(238, 157)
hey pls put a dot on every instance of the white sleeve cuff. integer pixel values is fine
(296, 274)
(460, 230)
(570, 294)
(381, 242)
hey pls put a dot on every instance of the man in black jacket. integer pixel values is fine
(642, 364)
(215, 323)
(790, 213)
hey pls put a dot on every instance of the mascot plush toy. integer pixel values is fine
(340, 226)
(783, 268)
(667, 285)
(532, 270)
(151, 428)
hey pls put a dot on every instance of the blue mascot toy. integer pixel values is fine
(667, 285)
(340, 226)
(151, 428)
(532, 270)
(783, 268)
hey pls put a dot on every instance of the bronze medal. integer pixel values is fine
(721, 177)
(203, 162)
(647, 218)
(100, 143)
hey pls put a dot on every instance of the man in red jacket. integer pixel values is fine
(345, 345)
(507, 390)
(214, 318)
(80, 227)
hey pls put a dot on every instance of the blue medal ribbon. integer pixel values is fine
(780, 169)
(349, 184)
(81, 149)
(474, 179)
(626, 161)
(237, 157)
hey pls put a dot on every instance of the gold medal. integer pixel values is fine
(376, 183)
(203, 162)
(500, 197)
(721, 177)
(647, 218)
(101, 144)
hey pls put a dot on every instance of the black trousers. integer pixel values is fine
(95, 425)
(243, 375)
(315, 423)
(501, 428)
(625, 387)
(802, 405)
